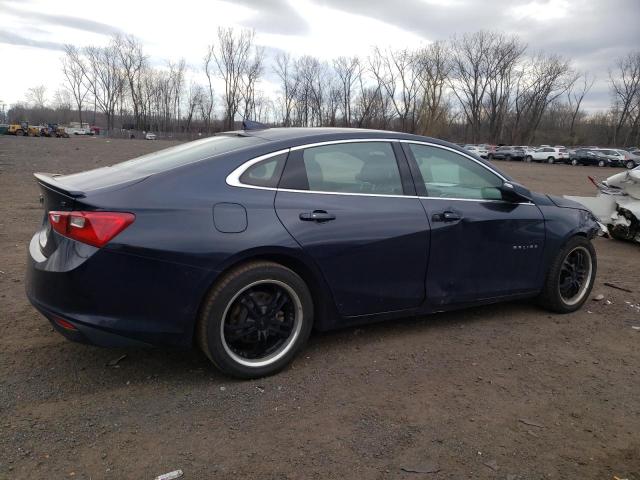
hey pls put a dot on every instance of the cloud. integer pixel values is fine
(77, 23)
(12, 38)
(274, 16)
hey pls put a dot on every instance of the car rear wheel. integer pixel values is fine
(255, 320)
(570, 277)
(574, 161)
(551, 160)
(630, 164)
(507, 158)
(490, 156)
(528, 159)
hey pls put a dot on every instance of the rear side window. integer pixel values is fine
(265, 173)
(359, 167)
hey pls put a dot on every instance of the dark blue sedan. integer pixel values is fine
(243, 242)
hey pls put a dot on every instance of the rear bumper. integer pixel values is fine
(115, 299)
(85, 333)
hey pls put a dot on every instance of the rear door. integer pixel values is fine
(482, 247)
(352, 207)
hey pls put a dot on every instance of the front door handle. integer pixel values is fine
(317, 216)
(446, 217)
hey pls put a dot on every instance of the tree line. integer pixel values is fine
(477, 87)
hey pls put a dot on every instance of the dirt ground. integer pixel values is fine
(507, 391)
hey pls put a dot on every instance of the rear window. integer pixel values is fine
(186, 153)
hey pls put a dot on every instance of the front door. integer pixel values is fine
(482, 246)
(351, 210)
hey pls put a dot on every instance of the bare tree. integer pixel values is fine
(37, 96)
(288, 85)
(232, 55)
(347, 70)
(473, 67)
(133, 62)
(434, 69)
(543, 80)
(75, 72)
(252, 74)
(575, 96)
(505, 54)
(105, 78)
(625, 85)
(398, 73)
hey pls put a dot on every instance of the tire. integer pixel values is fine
(551, 160)
(254, 286)
(20, 133)
(507, 158)
(601, 163)
(490, 156)
(630, 164)
(528, 159)
(574, 162)
(551, 297)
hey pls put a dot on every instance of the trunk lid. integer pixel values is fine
(53, 197)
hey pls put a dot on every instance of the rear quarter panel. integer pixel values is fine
(175, 224)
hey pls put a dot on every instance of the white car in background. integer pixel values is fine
(548, 154)
(150, 136)
(477, 149)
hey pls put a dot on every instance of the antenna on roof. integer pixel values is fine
(251, 125)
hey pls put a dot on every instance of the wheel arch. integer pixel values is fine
(325, 311)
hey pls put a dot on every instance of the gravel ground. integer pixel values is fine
(506, 391)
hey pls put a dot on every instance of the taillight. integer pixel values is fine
(93, 228)
(64, 323)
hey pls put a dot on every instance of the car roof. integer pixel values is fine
(329, 133)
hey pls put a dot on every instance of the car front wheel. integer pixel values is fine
(574, 162)
(601, 163)
(570, 278)
(630, 164)
(255, 320)
(551, 160)
(528, 159)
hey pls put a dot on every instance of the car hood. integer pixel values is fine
(565, 202)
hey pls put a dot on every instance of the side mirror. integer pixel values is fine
(514, 192)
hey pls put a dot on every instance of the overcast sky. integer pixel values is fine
(32, 32)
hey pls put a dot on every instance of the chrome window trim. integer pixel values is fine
(233, 179)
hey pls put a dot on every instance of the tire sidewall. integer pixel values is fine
(213, 316)
(553, 289)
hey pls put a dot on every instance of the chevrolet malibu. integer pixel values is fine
(244, 242)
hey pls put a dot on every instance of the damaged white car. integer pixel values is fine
(617, 204)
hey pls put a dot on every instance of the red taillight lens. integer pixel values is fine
(64, 324)
(93, 228)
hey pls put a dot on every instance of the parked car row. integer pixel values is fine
(602, 157)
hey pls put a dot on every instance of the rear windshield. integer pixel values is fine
(186, 153)
(156, 162)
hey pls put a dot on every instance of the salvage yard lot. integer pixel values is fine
(505, 391)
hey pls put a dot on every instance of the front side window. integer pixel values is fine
(358, 167)
(448, 174)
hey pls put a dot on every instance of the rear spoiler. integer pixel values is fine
(49, 180)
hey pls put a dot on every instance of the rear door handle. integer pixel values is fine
(446, 217)
(317, 216)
